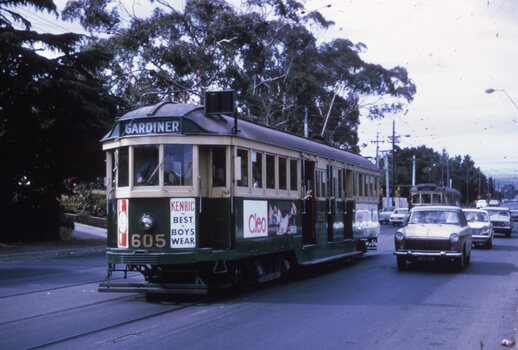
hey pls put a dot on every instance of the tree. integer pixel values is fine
(51, 109)
(265, 52)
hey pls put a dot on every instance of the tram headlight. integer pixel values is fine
(147, 222)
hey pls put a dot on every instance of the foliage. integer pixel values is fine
(52, 113)
(440, 168)
(85, 197)
(265, 52)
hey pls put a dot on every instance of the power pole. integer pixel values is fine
(377, 142)
(393, 154)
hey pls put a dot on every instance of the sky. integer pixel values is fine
(453, 51)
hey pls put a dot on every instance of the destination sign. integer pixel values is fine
(152, 127)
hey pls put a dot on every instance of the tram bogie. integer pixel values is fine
(194, 205)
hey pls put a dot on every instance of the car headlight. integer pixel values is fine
(486, 230)
(454, 238)
(147, 222)
(399, 236)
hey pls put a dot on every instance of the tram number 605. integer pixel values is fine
(148, 241)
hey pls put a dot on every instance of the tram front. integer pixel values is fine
(169, 200)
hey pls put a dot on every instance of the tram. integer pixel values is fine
(197, 201)
(432, 194)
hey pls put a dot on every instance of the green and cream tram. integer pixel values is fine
(193, 204)
(432, 194)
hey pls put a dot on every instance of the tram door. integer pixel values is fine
(215, 222)
(308, 215)
(350, 208)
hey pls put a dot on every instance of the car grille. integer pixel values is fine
(476, 231)
(421, 244)
(499, 223)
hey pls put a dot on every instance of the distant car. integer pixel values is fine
(501, 219)
(399, 216)
(384, 215)
(481, 227)
(434, 233)
(514, 214)
(481, 203)
(494, 203)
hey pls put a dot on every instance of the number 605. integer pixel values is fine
(148, 241)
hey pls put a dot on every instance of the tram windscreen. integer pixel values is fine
(177, 165)
(145, 159)
(122, 167)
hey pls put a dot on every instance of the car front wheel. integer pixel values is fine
(401, 263)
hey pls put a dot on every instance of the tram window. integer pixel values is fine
(243, 154)
(178, 165)
(270, 171)
(321, 183)
(436, 198)
(340, 183)
(145, 160)
(355, 183)
(257, 169)
(218, 167)
(293, 174)
(425, 198)
(122, 167)
(360, 185)
(415, 199)
(282, 173)
(349, 184)
(368, 188)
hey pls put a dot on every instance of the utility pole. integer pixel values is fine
(377, 142)
(387, 192)
(413, 170)
(393, 154)
(306, 130)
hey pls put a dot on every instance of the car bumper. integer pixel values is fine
(503, 229)
(422, 253)
(481, 239)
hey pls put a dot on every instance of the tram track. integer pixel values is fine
(168, 310)
(59, 288)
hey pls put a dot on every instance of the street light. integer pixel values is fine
(490, 91)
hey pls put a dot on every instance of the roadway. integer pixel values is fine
(52, 302)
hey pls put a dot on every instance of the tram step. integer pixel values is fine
(354, 254)
(163, 288)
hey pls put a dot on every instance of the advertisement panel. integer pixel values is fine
(282, 217)
(183, 222)
(255, 216)
(122, 223)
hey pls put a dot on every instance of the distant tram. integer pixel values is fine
(195, 204)
(432, 194)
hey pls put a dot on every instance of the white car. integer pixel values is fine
(384, 215)
(434, 233)
(399, 216)
(481, 227)
(501, 219)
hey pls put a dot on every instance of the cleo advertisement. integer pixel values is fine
(255, 219)
(183, 222)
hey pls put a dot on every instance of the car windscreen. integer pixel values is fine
(498, 213)
(476, 216)
(434, 217)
